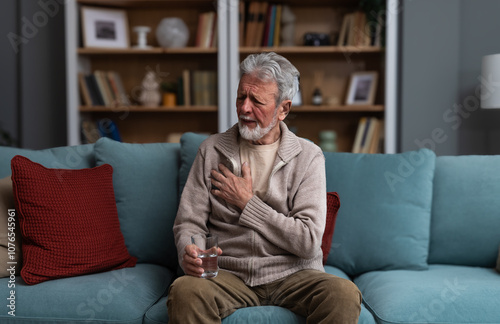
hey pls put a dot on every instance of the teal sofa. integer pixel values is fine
(418, 234)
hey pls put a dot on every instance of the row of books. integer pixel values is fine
(206, 34)
(197, 88)
(357, 31)
(260, 23)
(102, 88)
(368, 135)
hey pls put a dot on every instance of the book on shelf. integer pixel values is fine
(260, 24)
(186, 87)
(199, 88)
(206, 35)
(241, 22)
(368, 135)
(272, 28)
(102, 88)
(84, 90)
(88, 84)
(277, 26)
(251, 22)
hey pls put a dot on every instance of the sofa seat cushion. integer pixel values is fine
(119, 296)
(441, 294)
(65, 157)
(384, 222)
(466, 211)
(145, 180)
(261, 314)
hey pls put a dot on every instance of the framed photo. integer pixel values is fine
(103, 27)
(362, 87)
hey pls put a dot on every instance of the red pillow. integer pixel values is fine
(68, 220)
(332, 208)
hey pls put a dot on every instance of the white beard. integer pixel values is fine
(258, 132)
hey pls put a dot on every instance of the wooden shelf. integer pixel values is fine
(353, 108)
(145, 3)
(161, 109)
(154, 50)
(313, 49)
(243, 50)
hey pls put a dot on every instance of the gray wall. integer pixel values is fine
(33, 84)
(442, 44)
(9, 67)
(480, 129)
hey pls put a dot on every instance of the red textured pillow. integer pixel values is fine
(332, 208)
(68, 220)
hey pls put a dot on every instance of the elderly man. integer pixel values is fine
(262, 190)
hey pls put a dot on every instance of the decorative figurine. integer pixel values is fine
(150, 95)
(317, 98)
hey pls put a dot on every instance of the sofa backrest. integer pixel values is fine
(384, 218)
(66, 157)
(145, 181)
(465, 225)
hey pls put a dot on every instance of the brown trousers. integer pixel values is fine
(318, 296)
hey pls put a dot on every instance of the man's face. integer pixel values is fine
(257, 111)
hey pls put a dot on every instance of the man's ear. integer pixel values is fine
(285, 107)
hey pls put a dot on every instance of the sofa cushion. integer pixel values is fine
(465, 211)
(384, 221)
(119, 297)
(261, 314)
(145, 181)
(10, 236)
(65, 157)
(68, 221)
(443, 294)
(332, 208)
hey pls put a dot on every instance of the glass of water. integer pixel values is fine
(207, 246)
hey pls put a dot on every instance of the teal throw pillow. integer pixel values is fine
(145, 181)
(189, 148)
(384, 221)
(466, 211)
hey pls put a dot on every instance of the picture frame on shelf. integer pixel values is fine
(362, 88)
(104, 28)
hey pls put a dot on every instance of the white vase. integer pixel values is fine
(172, 32)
